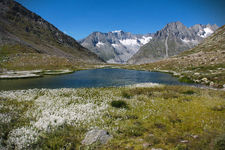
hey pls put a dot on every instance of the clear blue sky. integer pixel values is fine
(78, 18)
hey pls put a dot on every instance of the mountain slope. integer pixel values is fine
(204, 63)
(27, 34)
(173, 39)
(115, 46)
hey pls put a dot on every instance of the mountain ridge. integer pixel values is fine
(20, 27)
(115, 46)
(116, 51)
(173, 39)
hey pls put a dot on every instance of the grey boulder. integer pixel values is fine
(96, 135)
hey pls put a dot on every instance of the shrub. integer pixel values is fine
(185, 79)
(189, 92)
(169, 95)
(160, 125)
(181, 147)
(126, 94)
(153, 140)
(63, 137)
(220, 143)
(119, 104)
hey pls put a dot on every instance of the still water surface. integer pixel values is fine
(91, 78)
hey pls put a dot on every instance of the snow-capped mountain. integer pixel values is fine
(173, 39)
(116, 46)
(203, 30)
(124, 47)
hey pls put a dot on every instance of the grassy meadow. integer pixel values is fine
(142, 116)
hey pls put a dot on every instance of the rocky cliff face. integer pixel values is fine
(173, 39)
(115, 46)
(22, 31)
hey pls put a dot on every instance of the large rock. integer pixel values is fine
(96, 135)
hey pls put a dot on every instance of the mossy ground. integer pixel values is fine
(167, 117)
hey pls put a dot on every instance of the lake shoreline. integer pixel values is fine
(32, 73)
(101, 77)
(15, 75)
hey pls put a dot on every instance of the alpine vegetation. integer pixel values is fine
(144, 114)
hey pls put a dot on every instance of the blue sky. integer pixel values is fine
(78, 18)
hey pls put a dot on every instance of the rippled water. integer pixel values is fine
(91, 78)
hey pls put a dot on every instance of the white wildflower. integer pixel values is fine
(22, 137)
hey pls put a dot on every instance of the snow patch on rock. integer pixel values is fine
(116, 45)
(189, 41)
(205, 32)
(116, 31)
(99, 44)
(144, 40)
(129, 42)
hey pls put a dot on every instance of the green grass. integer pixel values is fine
(65, 136)
(189, 92)
(162, 117)
(186, 79)
(16, 111)
(220, 143)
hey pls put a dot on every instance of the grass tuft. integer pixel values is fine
(218, 108)
(119, 104)
(189, 92)
(185, 80)
(220, 143)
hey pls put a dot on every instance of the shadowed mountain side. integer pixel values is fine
(24, 33)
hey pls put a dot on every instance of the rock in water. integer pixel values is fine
(96, 135)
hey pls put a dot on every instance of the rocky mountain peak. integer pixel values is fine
(173, 39)
(116, 46)
(174, 29)
(119, 46)
(174, 26)
(117, 31)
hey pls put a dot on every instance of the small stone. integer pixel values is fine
(96, 135)
(224, 86)
(205, 80)
(195, 136)
(211, 83)
(146, 145)
(196, 73)
(156, 149)
(197, 81)
(184, 141)
(140, 140)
